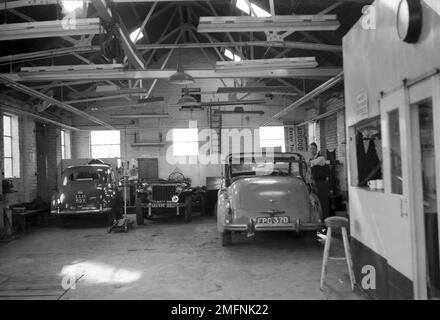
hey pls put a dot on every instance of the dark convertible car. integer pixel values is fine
(87, 190)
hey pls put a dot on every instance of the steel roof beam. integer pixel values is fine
(298, 103)
(165, 74)
(46, 29)
(155, 46)
(29, 3)
(268, 24)
(31, 92)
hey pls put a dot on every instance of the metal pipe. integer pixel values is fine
(36, 116)
(322, 88)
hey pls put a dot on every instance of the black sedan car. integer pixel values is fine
(88, 190)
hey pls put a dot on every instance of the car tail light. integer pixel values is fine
(228, 216)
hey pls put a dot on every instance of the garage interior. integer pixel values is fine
(140, 87)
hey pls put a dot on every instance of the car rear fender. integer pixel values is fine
(222, 209)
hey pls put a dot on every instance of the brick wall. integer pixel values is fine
(329, 139)
(80, 144)
(333, 137)
(27, 184)
(53, 159)
(341, 153)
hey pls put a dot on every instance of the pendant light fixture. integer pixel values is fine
(186, 99)
(180, 77)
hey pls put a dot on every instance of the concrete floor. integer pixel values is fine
(166, 259)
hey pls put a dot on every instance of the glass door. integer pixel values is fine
(424, 124)
(424, 102)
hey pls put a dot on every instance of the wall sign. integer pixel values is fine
(409, 20)
(300, 139)
(290, 138)
(362, 103)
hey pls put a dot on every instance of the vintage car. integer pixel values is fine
(158, 196)
(87, 190)
(262, 193)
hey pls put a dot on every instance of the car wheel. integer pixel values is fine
(226, 238)
(188, 208)
(139, 212)
(202, 205)
(315, 207)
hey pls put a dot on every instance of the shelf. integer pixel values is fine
(148, 144)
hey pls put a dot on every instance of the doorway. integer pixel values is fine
(148, 168)
(425, 157)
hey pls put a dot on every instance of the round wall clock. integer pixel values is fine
(409, 20)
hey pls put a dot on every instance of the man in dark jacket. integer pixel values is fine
(319, 173)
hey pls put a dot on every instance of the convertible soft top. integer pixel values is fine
(277, 156)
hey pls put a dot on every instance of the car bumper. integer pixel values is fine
(279, 227)
(164, 204)
(80, 212)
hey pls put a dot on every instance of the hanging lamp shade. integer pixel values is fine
(187, 100)
(180, 77)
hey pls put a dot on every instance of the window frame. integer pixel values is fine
(354, 167)
(63, 144)
(14, 137)
(283, 140)
(195, 142)
(394, 188)
(10, 137)
(104, 144)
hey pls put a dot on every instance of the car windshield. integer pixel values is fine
(265, 168)
(99, 176)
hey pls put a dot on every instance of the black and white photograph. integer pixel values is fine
(220, 155)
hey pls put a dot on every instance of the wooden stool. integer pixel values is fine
(337, 223)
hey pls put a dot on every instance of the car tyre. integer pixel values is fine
(188, 207)
(226, 238)
(139, 212)
(315, 207)
(202, 205)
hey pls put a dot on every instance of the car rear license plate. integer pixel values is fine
(273, 220)
(80, 198)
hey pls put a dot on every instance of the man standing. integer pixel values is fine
(319, 172)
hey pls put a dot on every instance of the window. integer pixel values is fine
(11, 148)
(65, 144)
(259, 12)
(368, 144)
(136, 35)
(185, 142)
(272, 137)
(101, 176)
(395, 152)
(230, 55)
(71, 5)
(105, 144)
